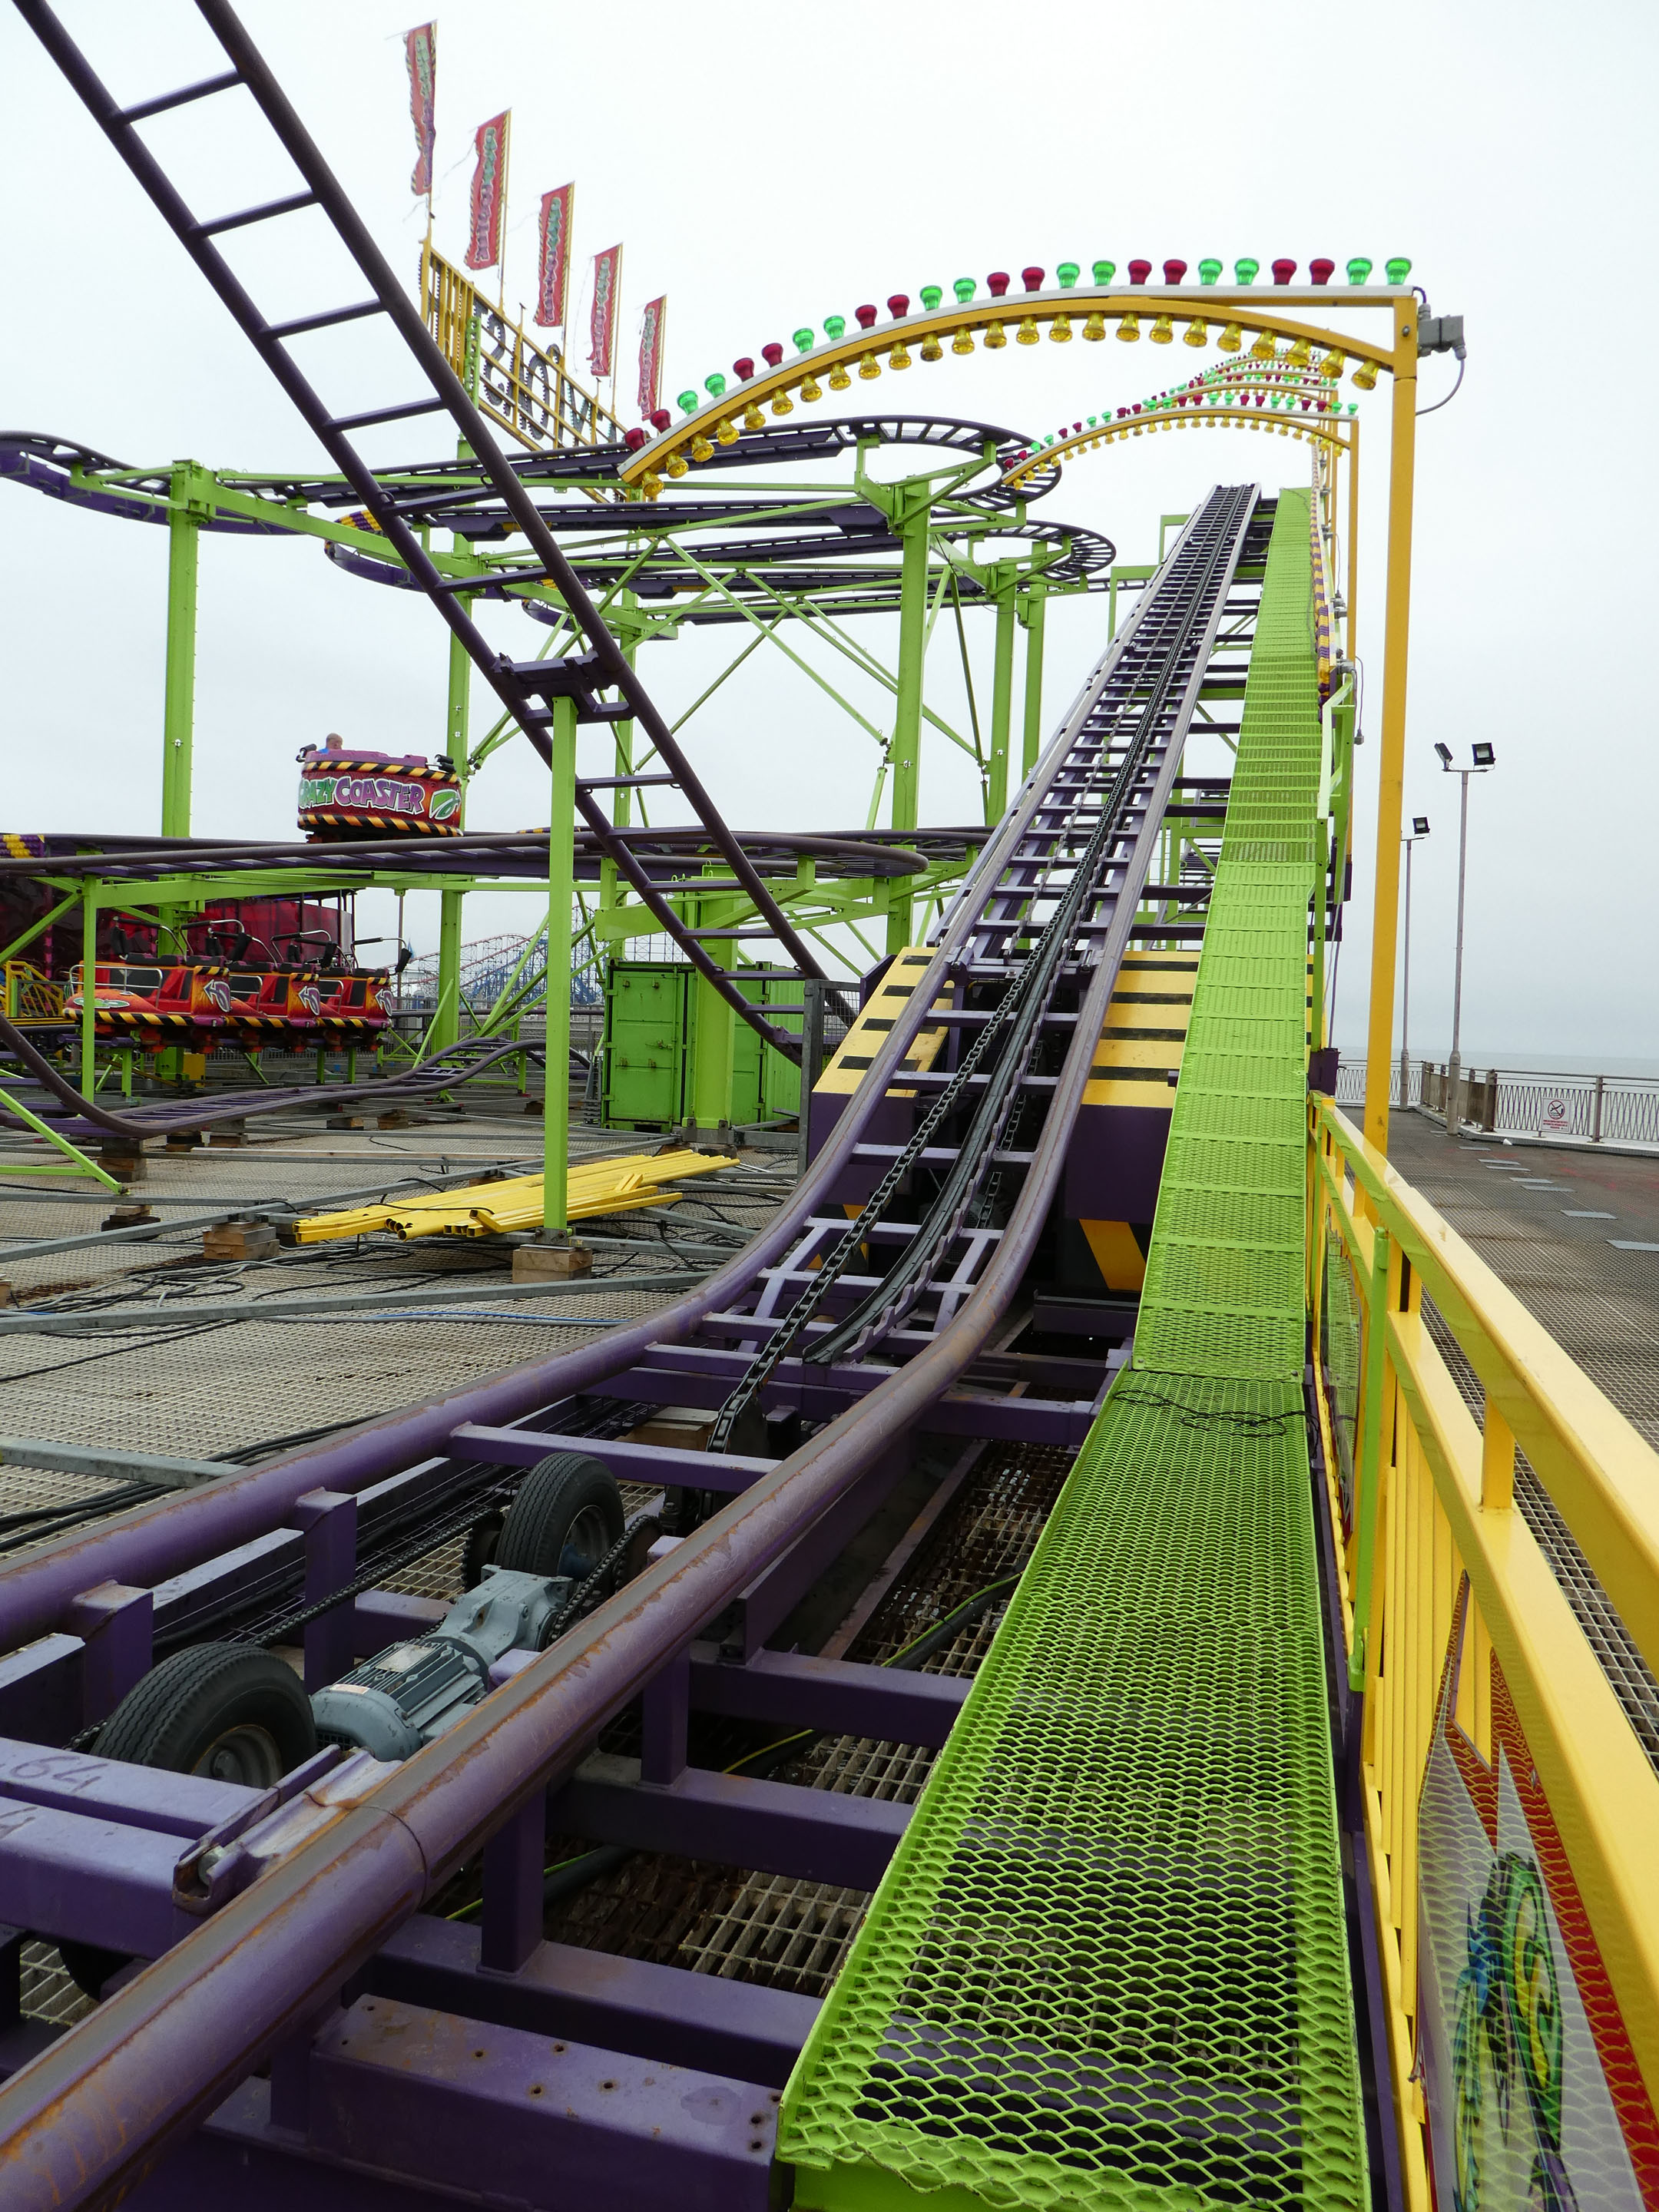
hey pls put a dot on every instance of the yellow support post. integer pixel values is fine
(1385, 912)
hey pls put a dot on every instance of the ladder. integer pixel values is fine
(527, 688)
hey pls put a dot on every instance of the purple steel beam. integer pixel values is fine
(96, 2111)
(624, 2004)
(411, 2105)
(774, 1827)
(775, 1594)
(629, 1462)
(839, 1696)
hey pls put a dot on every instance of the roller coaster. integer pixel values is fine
(1284, 1829)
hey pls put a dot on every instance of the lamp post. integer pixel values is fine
(1419, 830)
(1483, 757)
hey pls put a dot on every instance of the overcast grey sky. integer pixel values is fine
(768, 170)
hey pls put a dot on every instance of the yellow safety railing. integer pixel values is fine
(1461, 1639)
(526, 387)
(30, 996)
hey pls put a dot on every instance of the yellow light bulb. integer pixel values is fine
(727, 432)
(812, 390)
(700, 448)
(1027, 332)
(752, 417)
(1231, 339)
(931, 348)
(1060, 329)
(1163, 330)
(675, 465)
(782, 403)
(869, 366)
(1128, 326)
(1196, 334)
(963, 342)
(839, 379)
(1095, 326)
(899, 357)
(995, 337)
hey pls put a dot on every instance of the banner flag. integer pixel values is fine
(483, 246)
(602, 327)
(650, 355)
(555, 276)
(420, 51)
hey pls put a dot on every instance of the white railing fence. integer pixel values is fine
(1525, 1101)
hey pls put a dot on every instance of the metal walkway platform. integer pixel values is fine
(1110, 1953)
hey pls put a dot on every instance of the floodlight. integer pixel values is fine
(1484, 757)
(1419, 825)
(1444, 752)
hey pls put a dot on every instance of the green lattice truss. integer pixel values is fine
(1107, 1967)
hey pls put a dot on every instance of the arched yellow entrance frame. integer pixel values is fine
(1281, 313)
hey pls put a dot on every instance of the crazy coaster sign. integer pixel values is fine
(363, 794)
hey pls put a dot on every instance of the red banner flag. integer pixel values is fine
(483, 244)
(602, 327)
(555, 275)
(651, 328)
(420, 51)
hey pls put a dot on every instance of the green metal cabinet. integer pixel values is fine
(650, 1037)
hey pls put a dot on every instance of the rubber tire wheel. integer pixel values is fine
(483, 1539)
(559, 1490)
(193, 1701)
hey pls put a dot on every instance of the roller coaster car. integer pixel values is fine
(143, 999)
(161, 1004)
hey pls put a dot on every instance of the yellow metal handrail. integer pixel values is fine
(31, 996)
(526, 388)
(1440, 1574)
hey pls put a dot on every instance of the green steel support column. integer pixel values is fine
(178, 692)
(622, 810)
(1002, 701)
(446, 1017)
(89, 986)
(715, 1030)
(561, 891)
(907, 721)
(1037, 600)
(178, 695)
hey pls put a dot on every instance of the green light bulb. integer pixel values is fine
(803, 339)
(931, 297)
(1068, 272)
(1359, 272)
(1247, 271)
(713, 385)
(1399, 270)
(832, 326)
(1104, 272)
(689, 402)
(963, 289)
(1208, 271)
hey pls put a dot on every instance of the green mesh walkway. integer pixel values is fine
(1107, 1967)
(1224, 1293)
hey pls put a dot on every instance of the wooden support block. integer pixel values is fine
(539, 1263)
(239, 1240)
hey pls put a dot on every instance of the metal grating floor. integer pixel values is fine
(1110, 1953)
(792, 1934)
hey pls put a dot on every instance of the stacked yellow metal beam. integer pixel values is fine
(490, 1209)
